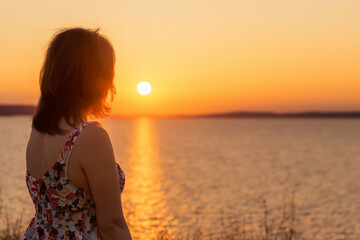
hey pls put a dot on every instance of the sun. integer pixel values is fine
(144, 88)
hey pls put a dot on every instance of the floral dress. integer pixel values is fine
(63, 210)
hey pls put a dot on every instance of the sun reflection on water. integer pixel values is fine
(146, 210)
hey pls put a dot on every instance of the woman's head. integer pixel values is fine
(75, 80)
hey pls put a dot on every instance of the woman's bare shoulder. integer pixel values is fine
(94, 131)
(94, 143)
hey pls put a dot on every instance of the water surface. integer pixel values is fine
(215, 173)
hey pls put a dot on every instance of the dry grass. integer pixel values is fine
(13, 229)
(282, 228)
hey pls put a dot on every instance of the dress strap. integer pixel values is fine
(69, 144)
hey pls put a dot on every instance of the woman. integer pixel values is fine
(72, 175)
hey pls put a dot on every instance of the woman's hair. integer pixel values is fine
(75, 79)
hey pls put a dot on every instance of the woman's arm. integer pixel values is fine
(98, 163)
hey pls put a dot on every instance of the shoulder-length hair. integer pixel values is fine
(75, 79)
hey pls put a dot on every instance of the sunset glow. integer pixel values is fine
(201, 57)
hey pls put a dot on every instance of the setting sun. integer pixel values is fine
(144, 88)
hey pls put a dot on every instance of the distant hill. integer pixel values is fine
(8, 110)
(313, 114)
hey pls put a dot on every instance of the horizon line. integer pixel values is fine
(28, 109)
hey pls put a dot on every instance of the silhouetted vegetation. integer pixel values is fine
(229, 229)
(12, 230)
(280, 227)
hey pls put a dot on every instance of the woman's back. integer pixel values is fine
(60, 191)
(43, 151)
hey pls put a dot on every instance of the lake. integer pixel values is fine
(214, 174)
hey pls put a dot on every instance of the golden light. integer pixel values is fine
(144, 88)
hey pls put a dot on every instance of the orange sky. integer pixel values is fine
(199, 56)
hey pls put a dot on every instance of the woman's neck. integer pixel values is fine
(69, 126)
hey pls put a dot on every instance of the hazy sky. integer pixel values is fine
(199, 56)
